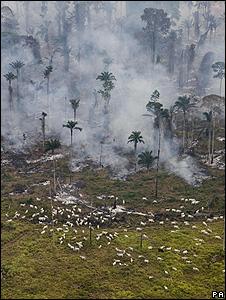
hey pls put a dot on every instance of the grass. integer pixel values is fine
(36, 266)
(38, 270)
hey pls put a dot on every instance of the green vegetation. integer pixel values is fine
(35, 269)
(37, 266)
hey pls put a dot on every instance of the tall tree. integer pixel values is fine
(171, 52)
(44, 8)
(17, 65)
(10, 77)
(107, 79)
(212, 26)
(135, 138)
(188, 25)
(48, 70)
(190, 59)
(219, 70)
(72, 126)
(157, 25)
(75, 105)
(27, 15)
(64, 24)
(206, 11)
(196, 24)
(80, 12)
(156, 109)
(184, 104)
(146, 159)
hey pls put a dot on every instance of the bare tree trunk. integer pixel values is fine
(184, 132)
(220, 85)
(71, 155)
(210, 142)
(43, 133)
(66, 50)
(48, 86)
(101, 147)
(71, 137)
(213, 138)
(65, 102)
(157, 167)
(54, 176)
(74, 115)
(51, 201)
(224, 236)
(10, 97)
(135, 156)
(153, 48)
(192, 129)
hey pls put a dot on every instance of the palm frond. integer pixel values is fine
(17, 64)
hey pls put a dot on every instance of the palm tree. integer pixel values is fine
(42, 119)
(48, 70)
(52, 145)
(209, 118)
(146, 159)
(135, 138)
(75, 105)
(10, 77)
(72, 126)
(17, 65)
(155, 109)
(184, 104)
(107, 79)
(106, 76)
(161, 114)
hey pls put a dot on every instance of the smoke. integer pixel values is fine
(135, 82)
